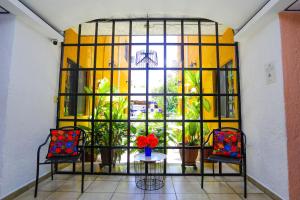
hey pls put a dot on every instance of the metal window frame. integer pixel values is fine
(164, 121)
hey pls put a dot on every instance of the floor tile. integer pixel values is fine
(128, 187)
(64, 196)
(188, 187)
(86, 178)
(73, 186)
(102, 186)
(167, 188)
(126, 196)
(49, 185)
(62, 176)
(109, 178)
(224, 197)
(128, 178)
(29, 195)
(192, 197)
(160, 197)
(238, 187)
(95, 196)
(256, 197)
(185, 178)
(211, 178)
(217, 187)
(233, 178)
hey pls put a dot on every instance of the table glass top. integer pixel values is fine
(155, 157)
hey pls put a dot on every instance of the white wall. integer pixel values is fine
(6, 41)
(30, 108)
(263, 108)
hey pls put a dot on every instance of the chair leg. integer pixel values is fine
(36, 180)
(202, 171)
(82, 172)
(52, 171)
(245, 178)
(220, 168)
(213, 168)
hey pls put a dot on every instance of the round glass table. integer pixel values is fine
(149, 171)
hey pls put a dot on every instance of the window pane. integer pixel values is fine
(136, 129)
(174, 56)
(227, 55)
(103, 81)
(209, 57)
(174, 133)
(156, 81)
(139, 32)
(191, 56)
(208, 32)
(174, 110)
(120, 107)
(174, 81)
(136, 56)
(174, 32)
(119, 136)
(192, 82)
(121, 32)
(138, 107)
(103, 57)
(70, 57)
(120, 81)
(156, 107)
(121, 56)
(191, 32)
(102, 107)
(138, 81)
(209, 84)
(157, 128)
(105, 32)
(159, 60)
(192, 108)
(87, 35)
(86, 58)
(156, 32)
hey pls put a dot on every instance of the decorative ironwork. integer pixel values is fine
(143, 58)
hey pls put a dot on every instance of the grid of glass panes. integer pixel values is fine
(115, 98)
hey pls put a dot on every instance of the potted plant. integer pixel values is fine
(102, 129)
(192, 129)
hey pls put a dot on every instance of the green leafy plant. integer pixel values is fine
(102, 129)
(192, 129)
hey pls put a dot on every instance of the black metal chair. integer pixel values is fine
(56, 159)
(226, 159)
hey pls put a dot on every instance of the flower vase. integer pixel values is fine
(148, 151)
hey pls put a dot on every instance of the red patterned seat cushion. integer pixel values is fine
(63, 143)
(227, 143)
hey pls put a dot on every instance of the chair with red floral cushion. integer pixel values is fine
(229, 146)
(66, 146)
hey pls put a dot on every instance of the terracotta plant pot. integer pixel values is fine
(190, 156)
(105, 157)
(88, 156)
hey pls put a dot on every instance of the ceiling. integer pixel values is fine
(63, 14)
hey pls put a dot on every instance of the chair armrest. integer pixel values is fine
(39, 148)
(205, 142)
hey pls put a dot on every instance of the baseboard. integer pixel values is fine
(258, 185)
(264, 189)
(31, 184)
(26, 187)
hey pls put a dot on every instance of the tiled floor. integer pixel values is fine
(123, 187)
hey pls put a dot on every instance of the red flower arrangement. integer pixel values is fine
(147, 141)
